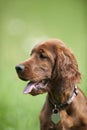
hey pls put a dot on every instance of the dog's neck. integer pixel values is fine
(57, 107)
(61, 93)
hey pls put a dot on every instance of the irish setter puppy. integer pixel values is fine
(53, 68)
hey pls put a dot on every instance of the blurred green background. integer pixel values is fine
(23, 23)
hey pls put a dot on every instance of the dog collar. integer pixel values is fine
(57, 107)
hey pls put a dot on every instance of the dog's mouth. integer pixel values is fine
(36, 87)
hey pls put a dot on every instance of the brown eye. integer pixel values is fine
(42, 56)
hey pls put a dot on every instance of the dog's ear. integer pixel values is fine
(66, 66)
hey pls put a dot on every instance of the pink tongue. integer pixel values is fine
(29, 88)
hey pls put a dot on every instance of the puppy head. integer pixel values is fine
(49, 61)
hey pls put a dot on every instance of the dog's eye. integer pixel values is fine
(43, 56)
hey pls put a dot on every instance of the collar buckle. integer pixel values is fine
(55, 110)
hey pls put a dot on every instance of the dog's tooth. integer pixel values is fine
(43, 81)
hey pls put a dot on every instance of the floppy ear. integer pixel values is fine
(67, 67)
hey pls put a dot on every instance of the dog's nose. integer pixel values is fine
(19, 68)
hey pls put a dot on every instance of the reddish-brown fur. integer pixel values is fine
(61, 69)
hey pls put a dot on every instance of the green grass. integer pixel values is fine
(23, 23)
(17, 111)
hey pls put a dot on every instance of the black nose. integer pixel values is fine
(19, 68)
